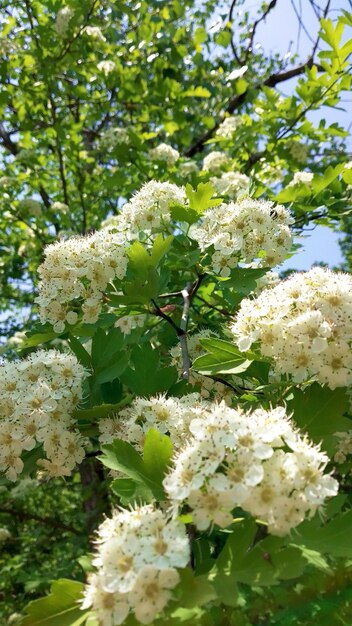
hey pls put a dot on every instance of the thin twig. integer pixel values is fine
(160, 313)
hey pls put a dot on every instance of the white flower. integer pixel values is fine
(298, 150)
(248, 230)
(304, 324)
(165, 153)
(230, 125)
(301, 178)
(152, 592)
(79, 269)
(238, 73)
(94, 32)
(30, 206)
(149, 209)
(36, 395)
(4, 535)
(106, 67)
(113, 137)
(253, 460)
(230, 184)
(214, 161)
(62, 21)
(137, 556)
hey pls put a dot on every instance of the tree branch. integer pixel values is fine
(235, 102)
(46, 521)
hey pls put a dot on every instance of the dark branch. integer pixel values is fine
(235, 102)
(46, 521)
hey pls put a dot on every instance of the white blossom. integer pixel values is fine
(304, 324)
(164, 152)
(229, 126)
(106, 67)
(253, 460)
(214, 161)
(250, 230)
(62, 21)
(37, 397)
(230, 184)
(137, 558)
(79, 270)
(301, 177)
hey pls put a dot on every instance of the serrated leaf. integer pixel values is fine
(330, 538)
(319, 410)
(197, 92)
(37, 339)
(160, 247)
(147, 472)
(201, 199)
(243, 280)
(194, 590)
(223, 358)
(59, 608)
(139, 259)
(145, 376)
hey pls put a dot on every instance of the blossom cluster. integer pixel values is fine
(255, 461)
(164, 152)
(76, 273)
(343, 447)
(304, 324)
(113, 137)
(215, 161)
(137, 558)
(230, 184)
(62, 21)
(229, 126)
(37, 397)
(148, 210)
(301, 177)
(248, 230)
(106, 67)
(170, 416)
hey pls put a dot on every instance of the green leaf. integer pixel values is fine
(139, 259)
(146, 376)
(320, 182)
(39, 338)
(142, 290)
(223, 358)
(244, 280)
(59, 608)
(114, 370)
(160, 247)
(147, 472)
(331, 538)
(197, 92)
(108, 358)
(157, 453)
(194, 590)
(201, 199)
(347, 176)
(105, 346)
(184, 214)
(319, 410)
(81, 353)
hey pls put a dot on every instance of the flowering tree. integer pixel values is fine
(157, 371)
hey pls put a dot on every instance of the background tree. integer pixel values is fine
(98, 99)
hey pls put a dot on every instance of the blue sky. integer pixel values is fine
(281, 28)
